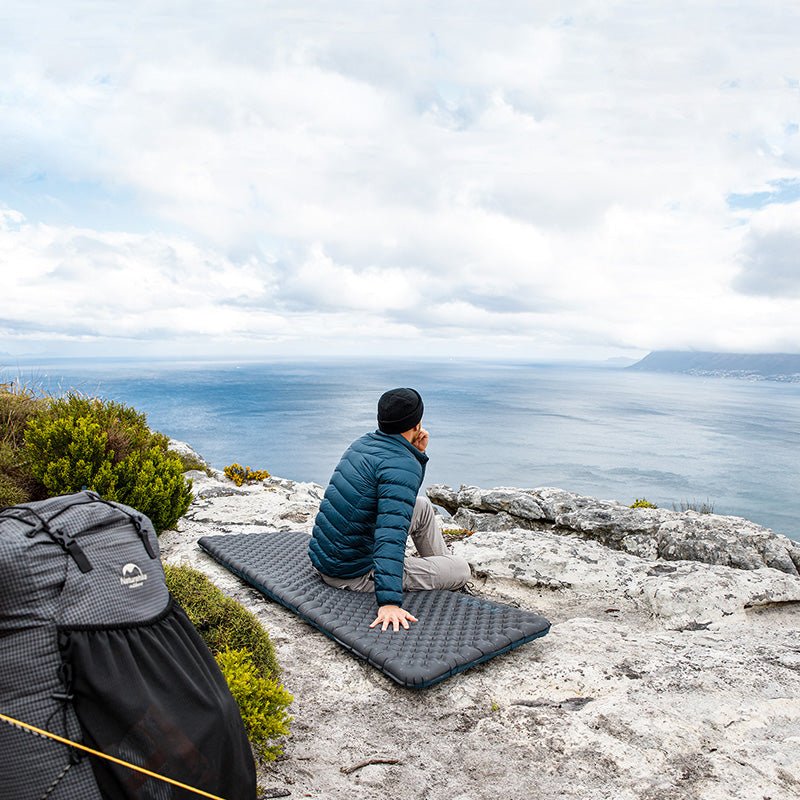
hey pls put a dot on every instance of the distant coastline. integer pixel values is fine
(783, 367)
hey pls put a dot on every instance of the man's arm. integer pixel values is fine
(396, 498)
(397, 493)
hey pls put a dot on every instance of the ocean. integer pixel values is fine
(610, 433)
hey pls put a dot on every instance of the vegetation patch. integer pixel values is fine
(244, 652)
(642, 503)
(17, 406)
(239, 474)
(262, 702)
(52, 446)
(700, 506)
(76, 442)
(191, 462)
(222, 622)
(455, 534)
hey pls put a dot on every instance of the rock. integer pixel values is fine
(680, 594)
(510, 501)
(664, 680)
(646, 532)
(186, 450)
(483, 521)
(443, 496)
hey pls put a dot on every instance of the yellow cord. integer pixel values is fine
(97, 753)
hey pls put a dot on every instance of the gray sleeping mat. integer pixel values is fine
(455, 631)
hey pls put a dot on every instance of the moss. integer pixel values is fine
(222, 622)
(455, 534)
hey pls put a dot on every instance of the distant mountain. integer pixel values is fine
(756, 366)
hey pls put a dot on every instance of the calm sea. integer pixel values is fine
(609, 433)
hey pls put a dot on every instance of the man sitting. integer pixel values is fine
(371, 506)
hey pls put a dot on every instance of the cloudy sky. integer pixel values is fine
(517, 179)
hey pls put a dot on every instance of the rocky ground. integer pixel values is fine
(659, 680)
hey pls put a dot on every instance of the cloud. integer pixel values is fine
(86, 283)
(770, 258)
(297, 174)
(318, 283)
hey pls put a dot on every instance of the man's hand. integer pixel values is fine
(420, 441)
(394, 616)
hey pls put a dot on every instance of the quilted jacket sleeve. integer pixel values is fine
(397, 493)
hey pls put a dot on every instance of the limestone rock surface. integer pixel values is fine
(647, 532)
(653, 683)
(678, 594)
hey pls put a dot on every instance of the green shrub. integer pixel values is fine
(154, 484)
(79, 443)
(239, 474)
(262, 702)
(222, 622)
(642, 503)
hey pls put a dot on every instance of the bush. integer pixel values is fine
(80, 443)
(222, 622)
(11, 493)
(17, 406)
(262, 702)
(243, 651)
(642, 503)
(239, 474)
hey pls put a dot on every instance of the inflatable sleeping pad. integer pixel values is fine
(455, 631)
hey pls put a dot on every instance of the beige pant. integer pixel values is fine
(435, 568)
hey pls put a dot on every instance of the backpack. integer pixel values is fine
(93, 649)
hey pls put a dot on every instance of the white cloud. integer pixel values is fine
(542, 179)
(117, 284)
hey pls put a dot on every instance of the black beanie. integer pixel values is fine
(399, 410)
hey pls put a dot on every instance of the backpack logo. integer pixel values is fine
(132, 576)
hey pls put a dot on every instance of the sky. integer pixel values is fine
(545, 181)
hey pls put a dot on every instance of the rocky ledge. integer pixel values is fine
(649, 533)
(660, 679)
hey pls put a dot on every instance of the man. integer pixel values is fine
(370, 508)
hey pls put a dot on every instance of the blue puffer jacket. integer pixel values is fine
(363, 519)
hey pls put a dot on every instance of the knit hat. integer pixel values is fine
(399, 410)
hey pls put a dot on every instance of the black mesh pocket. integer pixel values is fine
(153, 695)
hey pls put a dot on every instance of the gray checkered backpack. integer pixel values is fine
(94, 650)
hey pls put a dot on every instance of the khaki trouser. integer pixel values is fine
(434, 568)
